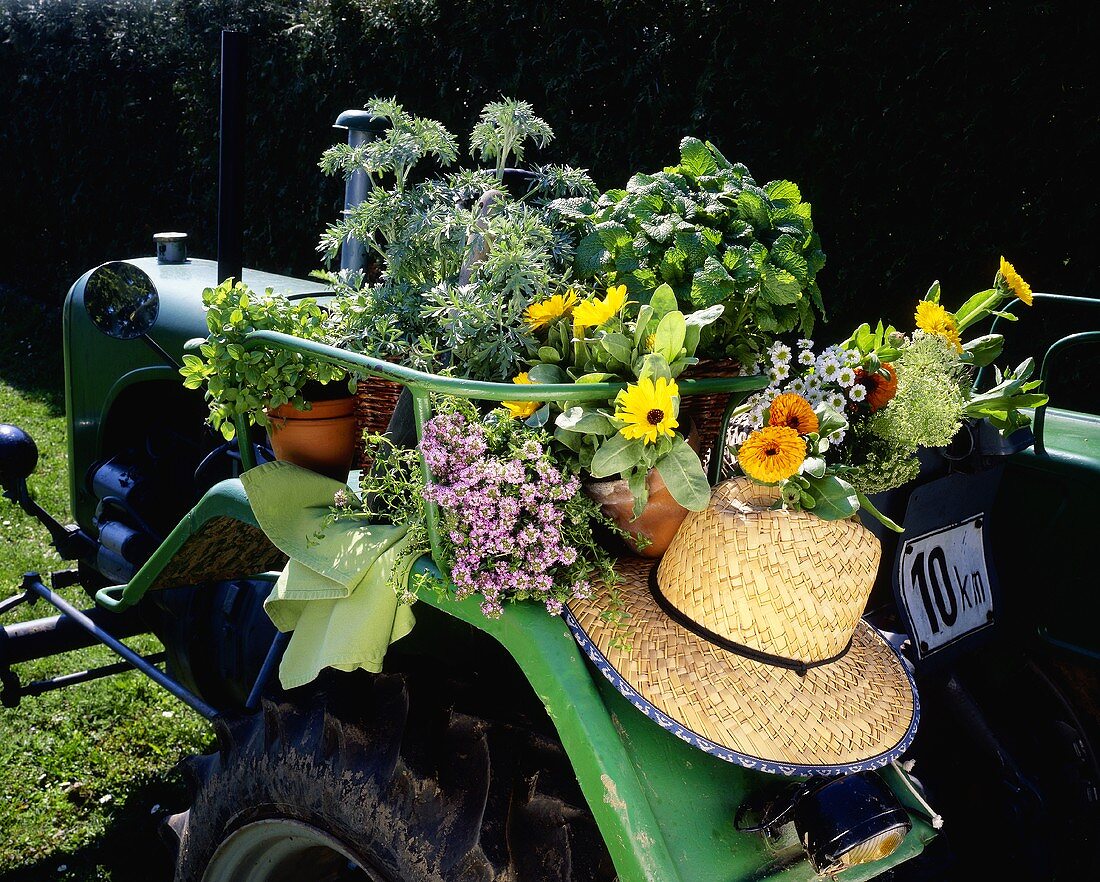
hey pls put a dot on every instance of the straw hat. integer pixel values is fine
(747, 640)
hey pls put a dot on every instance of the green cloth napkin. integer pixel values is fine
(334, 593)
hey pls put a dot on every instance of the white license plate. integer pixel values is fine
(945, 585)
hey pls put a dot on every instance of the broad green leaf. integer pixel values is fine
(829, 420)
(641, 331)
(576, 209)
(779, 287)
(692, 335)
(786, 254)
(539, 418)
(672, 265)
(616, 455)
(613, 235)
(814, 466)
(985, 350)
(703, 317)
(695, 247)
(572, 440)
(834, 498)
(719, 159)
(549, 353)
(654, 365)
(751, 208)
(933, 293)
(683, 474)
(739, 264)
(712, 284)
(663, 301)
(586, 421)
(670, 335)
(547, 373)
(618, 346)
(695, 159)
(597, 377)
(591, 256)
(783, 191)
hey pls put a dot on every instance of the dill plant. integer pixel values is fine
(927, 410)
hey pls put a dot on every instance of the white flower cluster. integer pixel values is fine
(829, 377)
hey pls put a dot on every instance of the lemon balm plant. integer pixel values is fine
(706, 229)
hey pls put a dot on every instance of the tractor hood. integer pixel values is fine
(99, 369)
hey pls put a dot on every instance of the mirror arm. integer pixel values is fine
(159, 350)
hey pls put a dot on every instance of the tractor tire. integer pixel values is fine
(370, 778)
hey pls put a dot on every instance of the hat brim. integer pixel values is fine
(859, 712)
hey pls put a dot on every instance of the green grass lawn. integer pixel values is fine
(85, 772)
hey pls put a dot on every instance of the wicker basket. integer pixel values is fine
(707, 410)
(375, 401)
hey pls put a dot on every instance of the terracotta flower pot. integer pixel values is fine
(659, 520)
(321, 439)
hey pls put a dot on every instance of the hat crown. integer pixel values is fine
(782, 582)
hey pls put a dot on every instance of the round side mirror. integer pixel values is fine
(121, 300)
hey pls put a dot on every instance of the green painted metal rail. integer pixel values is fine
(423, 385)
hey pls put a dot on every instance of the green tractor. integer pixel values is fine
(508, 749)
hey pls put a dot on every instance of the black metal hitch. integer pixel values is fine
(76, 629)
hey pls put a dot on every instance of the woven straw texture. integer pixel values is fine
(375, 400)
(784, 582)
(707, 410)
(847, 712)
(222, 549)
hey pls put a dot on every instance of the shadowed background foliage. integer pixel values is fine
(928, 143)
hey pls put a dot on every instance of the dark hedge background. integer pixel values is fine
(929, 143)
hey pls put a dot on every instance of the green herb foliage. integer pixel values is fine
(241, 382)
(705, 228)
(459, 257)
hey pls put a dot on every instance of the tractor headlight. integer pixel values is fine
(842, 822)
(839, 822)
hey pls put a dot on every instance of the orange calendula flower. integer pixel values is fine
(1015, 284)
(539, 315)
(521, 410)
(881, 385)
(771, 454)
(934, 319)
(794, 412)
(593, 313)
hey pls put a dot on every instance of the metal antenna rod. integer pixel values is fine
(231, 155)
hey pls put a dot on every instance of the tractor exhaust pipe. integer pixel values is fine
(231, 155)
(361, 127)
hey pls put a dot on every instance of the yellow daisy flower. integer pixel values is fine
(772, 454)
(539, 315)
(648, 408)
(520, 410)
(1015, 284)
(934, 319)
(593, 313)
